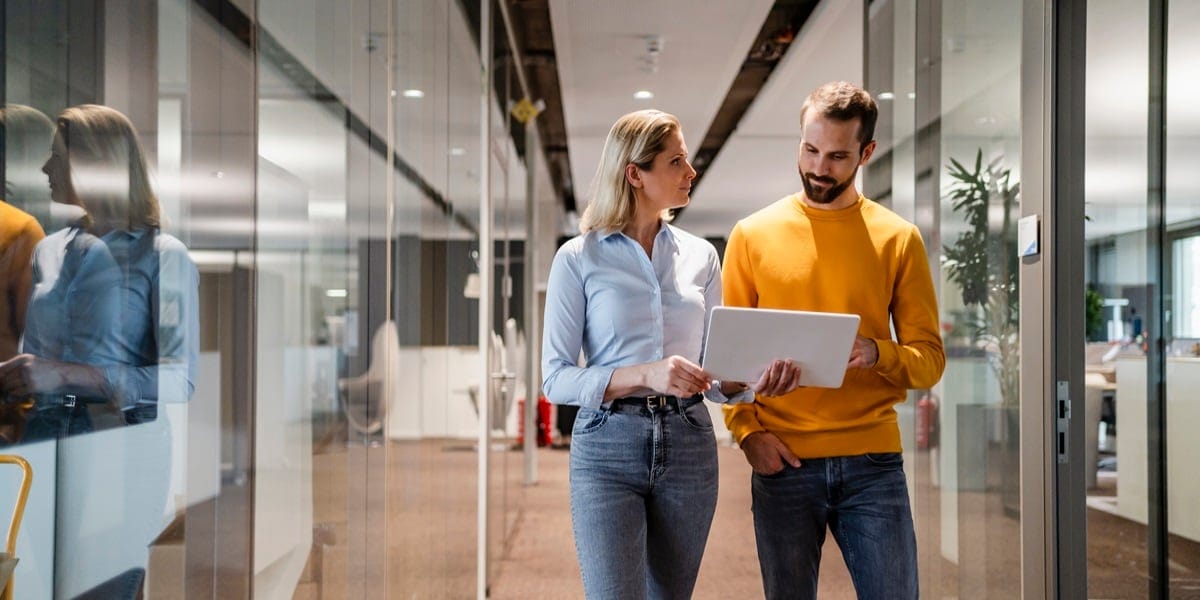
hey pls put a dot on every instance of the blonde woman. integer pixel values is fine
(111, 334)
(634, 293)
(112, 315)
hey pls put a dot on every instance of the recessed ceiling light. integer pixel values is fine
(457, 152)
(414, 93)
(886, 95)
(643, 94)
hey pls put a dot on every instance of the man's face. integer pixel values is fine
(829, 157)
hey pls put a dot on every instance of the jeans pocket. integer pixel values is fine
(772, 476)
(589, 420)
(888, 460)
(696, 416)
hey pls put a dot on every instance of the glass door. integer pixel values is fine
(948, 80)
(1142, 358)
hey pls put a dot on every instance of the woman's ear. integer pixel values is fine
(634, 176)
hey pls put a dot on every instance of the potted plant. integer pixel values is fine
(982, 262)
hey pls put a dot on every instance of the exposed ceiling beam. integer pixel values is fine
(528, 23)
(778, 32)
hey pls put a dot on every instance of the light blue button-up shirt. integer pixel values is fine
(621, 308)
(126, 303)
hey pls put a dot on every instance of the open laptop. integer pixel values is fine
(742, 343)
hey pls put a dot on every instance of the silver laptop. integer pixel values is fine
(742, 343)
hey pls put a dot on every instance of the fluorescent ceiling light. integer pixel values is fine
(336, 293)
(886, 95)
(414, 93)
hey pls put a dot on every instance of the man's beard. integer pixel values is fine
(833, 188)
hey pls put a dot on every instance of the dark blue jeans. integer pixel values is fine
(643, 493)
(863, 500)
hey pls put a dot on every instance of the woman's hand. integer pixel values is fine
(781, 377)
(676, 376)
(26, 374)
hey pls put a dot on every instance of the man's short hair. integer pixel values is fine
(842, 101)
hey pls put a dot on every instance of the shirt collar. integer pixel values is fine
(666, 231)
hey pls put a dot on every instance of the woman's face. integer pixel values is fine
(668, 181)
(58, 170)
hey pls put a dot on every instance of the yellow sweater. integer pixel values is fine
(19, 233)
(863, 260)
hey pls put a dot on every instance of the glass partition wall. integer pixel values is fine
(1141, 364)
(946, 76)
(957, 82)
(277, 332)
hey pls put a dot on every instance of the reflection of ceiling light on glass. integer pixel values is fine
(338, 293)
(912, 95)
(886, 95)
(414, 93)
(985, 121)
(395, 93)
(643, 94)
(457, 152)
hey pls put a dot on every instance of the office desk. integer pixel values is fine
(1183, 443)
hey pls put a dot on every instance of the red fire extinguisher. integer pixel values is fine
(927, 421)
(543, 421)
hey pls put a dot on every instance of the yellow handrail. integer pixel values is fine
(18, 512)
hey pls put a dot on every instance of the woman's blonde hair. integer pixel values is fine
(635, 138)
(107, 165)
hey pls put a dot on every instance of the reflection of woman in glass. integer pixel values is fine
(112, 315)
(111, 334)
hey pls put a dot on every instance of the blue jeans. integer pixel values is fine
(643, 493)
(863, 500)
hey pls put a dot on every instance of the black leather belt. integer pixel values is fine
(653, 403)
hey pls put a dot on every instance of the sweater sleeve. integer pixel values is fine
(20, 260)
(737, 278)
(916, 359)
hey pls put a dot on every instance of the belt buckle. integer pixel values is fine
(656, 402)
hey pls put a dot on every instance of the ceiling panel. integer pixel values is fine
(601, 50)
(758, 164)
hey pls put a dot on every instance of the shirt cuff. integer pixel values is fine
(714, 394)
(594, 386)
(122, 389)
(888, 361)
